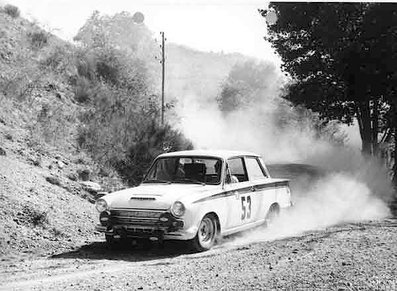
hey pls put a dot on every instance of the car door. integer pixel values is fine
(263, 192)
(239, 187)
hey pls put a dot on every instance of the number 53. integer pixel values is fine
(245, 207)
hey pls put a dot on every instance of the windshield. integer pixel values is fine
(200, 170)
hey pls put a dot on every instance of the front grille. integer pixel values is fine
(136, 217)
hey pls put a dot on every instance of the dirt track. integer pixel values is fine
(360, 256)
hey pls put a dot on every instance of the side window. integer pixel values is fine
(237, 169)
(255, 171)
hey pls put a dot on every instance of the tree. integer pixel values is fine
(248, 83)
(119, 126)
(120, 31)
(343, 59)
(257, 86)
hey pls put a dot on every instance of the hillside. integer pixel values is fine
(191, 72)
(44, 205)
(188, 71)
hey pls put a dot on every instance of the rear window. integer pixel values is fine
(255, 171)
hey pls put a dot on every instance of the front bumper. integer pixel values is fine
(142, 224)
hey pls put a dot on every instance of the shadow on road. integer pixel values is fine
(99, 250)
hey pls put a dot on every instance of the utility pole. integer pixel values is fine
(162, 76)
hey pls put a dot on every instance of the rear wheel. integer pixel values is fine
(272, 214)
(206, 234)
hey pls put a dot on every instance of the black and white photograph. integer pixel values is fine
(198, 145)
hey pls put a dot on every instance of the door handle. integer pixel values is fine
(253, 189)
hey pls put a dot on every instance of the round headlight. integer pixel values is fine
(178, 209)
(101, 205)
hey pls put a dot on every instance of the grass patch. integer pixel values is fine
(12, 11)
(33, 216)
(38, 39)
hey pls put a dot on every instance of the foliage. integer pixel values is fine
(19, 83)
(34, 216)
(123, 132)
(12, 10)
(120, 126)
(38, 39)
(152, 141)
(59, 59)
(255, 85)
(52, 125)
(247, 83)
(112, 77)
(342, 57)
(117, 30)
(83, 90)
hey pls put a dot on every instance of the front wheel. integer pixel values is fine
(116, 244)
(111, 242)
(206, 234)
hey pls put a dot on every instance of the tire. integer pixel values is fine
(116, 244)
(206, 234)
(111, 242)
(272, 214)
(145, 244)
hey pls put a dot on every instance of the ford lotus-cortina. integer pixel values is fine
(196, 196)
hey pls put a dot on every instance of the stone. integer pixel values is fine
(84, 174)
(53, 180)
(91, 187)
(60, 164)
(72, 176)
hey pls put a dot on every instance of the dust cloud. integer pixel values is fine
(334, 199)
(347, 187)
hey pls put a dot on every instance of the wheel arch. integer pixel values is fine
(217, 220)
(274, 205)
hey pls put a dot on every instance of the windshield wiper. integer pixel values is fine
(157, 181)
(181, 180)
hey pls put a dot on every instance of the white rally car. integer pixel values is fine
(196, 196)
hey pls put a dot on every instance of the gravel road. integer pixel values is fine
(360, 256)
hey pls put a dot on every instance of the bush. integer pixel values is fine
(53, 125)
(38, 39)
(83, 90)
(153, 141)
(59, 58)
(86, 64)
(19, 82)
(32, 215)
(119, 128)
(12, 10)
(39, 218)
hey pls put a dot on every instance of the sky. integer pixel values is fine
(207, 25)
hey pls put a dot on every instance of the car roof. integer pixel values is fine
(224, 154)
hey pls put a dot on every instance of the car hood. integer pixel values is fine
(157, 196)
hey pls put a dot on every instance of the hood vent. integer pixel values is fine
(142, 198)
